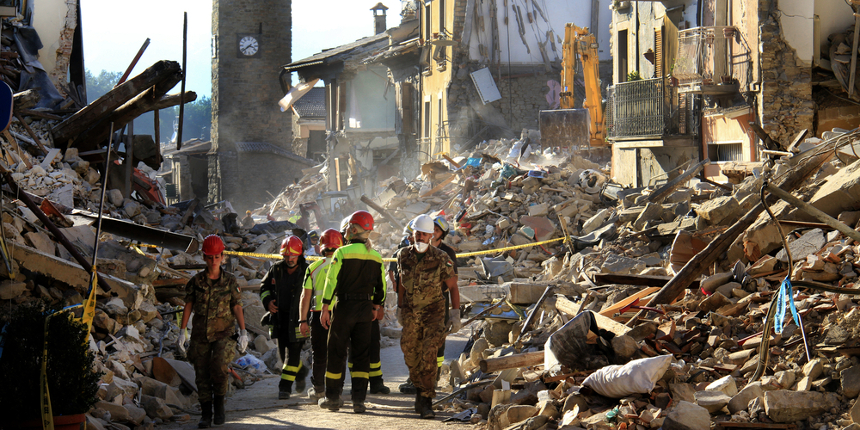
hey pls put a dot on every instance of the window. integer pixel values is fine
(427, 119)
(726, 151)
(622, 56)
(427, 31)
(441, 17)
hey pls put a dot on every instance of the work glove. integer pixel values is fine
(399, 314)
(454, 324)
(183, 338)
(243, 340)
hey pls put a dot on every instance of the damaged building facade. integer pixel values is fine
(359, 111)
(718, 80)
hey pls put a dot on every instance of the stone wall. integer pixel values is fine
(523, 97)
(785, 100)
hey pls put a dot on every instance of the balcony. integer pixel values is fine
(648, 109)
(708, 59)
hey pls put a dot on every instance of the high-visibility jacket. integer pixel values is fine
(355, 271)
(315, 278)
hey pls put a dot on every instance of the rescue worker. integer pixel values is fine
(440, 230)
(357, 279)
(310, 323)
(313, 246)
(424, 270)
(377, 384)
(248, 221)
(280, 293)
(213, 296)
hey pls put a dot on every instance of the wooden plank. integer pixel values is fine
(31, 132)
(853, 70)
(664, 191)
(527, 359)
(439, 187)
(391, 220)
(612, 310)
(17, 149)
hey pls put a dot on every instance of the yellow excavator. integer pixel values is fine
(566, 126)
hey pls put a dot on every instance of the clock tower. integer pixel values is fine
(251, 40)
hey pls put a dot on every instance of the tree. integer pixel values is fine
(198, 114)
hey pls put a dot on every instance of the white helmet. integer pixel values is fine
(423, 223)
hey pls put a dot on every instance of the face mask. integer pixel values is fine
(328, 259)
(421, 247)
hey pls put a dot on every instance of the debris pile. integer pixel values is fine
(591, 339)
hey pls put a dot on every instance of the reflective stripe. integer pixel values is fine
(293, 369)
(364, 375)
(375, 373)
(330, 375)
(377, 365)
(349, 364)
(264, 295)
(288, 377)
(440, 360)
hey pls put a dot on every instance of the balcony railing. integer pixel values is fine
(650, 108)
(707, 59)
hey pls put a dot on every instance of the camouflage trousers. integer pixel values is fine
(423, 332)
(210, 361)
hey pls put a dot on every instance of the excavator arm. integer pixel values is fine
(579, 42)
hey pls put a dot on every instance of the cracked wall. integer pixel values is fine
(786, 89)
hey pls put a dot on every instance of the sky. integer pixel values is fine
(113, 31)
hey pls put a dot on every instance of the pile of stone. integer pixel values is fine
(541, 369)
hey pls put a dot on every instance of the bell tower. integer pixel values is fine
(251, 40)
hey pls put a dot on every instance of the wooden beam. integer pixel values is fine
(815, 212)
(102, 107)
(853, 71)
(441, 185)
(664, 191)
(31, 132)
(527, 359)
(144, 102)
(393, 221)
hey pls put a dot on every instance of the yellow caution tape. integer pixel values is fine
(509, 248)
(462, 255)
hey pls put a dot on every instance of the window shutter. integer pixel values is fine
(658, 53)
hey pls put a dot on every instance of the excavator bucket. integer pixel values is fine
(564, 128)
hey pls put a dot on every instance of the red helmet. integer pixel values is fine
(331, 239)
(291, 246)
(213, 245)
(363, 219)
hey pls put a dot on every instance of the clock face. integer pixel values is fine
(248, 45)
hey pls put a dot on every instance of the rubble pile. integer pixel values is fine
(565, 336)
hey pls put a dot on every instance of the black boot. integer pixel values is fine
(206, 419)
(408, 387)
(284, 389)
(377, 386)
(427, 410)
(220, 416)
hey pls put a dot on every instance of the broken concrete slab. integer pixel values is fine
(742, 399)
(713, 401)
(784, 406)
(811, 241)
(72, 274)
(718, 210)
(687, 416)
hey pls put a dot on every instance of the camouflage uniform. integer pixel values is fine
(423, 312)
(212, 347)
